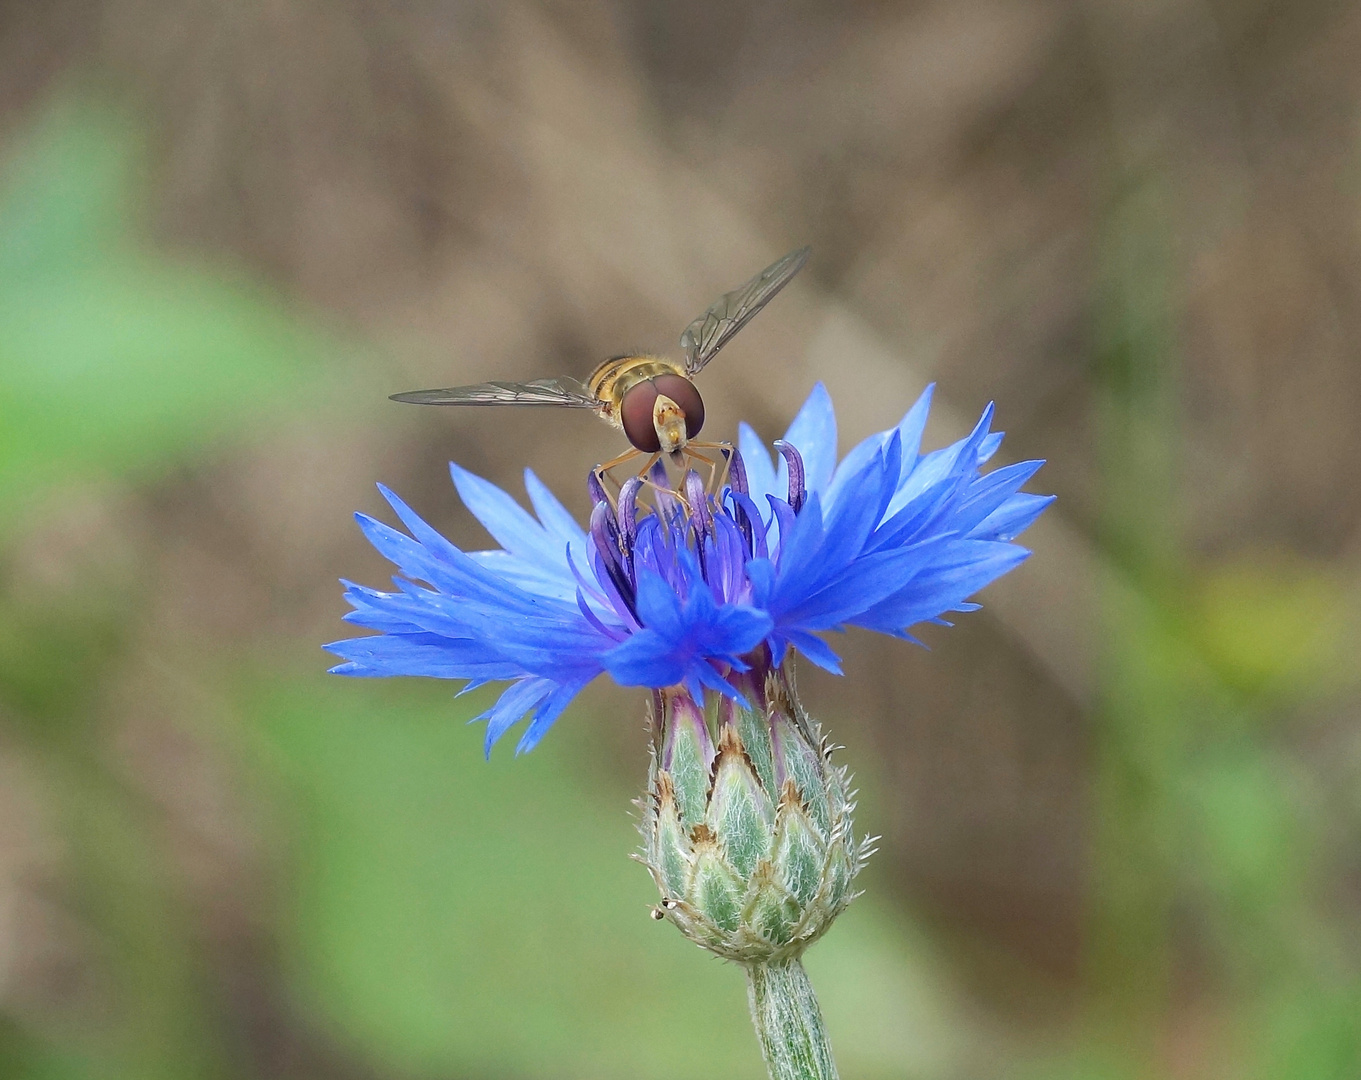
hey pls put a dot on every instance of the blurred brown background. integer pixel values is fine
(1119, 804)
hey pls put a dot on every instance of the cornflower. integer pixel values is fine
(702, 596)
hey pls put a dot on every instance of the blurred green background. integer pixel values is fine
(1121, 806)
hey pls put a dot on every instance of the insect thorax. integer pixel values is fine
(618, 375)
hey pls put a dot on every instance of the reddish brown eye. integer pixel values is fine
(635, 413)
(682, 391)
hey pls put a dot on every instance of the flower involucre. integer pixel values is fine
(748, 838)
(684, 589)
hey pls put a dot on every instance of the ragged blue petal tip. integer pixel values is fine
(685, 589)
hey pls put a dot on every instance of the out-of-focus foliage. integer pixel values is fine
(114, 359)
(1203, 814)
(1276, 628)
(114, 363)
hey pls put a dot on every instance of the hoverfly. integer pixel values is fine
(653, 401)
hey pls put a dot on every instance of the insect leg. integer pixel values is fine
(717, 476)
(602, 471)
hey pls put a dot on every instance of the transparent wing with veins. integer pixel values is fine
(732, 311)
(564, 393)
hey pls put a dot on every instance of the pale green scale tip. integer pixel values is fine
(688, 758)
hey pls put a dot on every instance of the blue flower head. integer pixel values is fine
(680, 587)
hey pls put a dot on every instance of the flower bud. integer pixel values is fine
(747, 823)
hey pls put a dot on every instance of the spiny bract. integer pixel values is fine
(748, 837)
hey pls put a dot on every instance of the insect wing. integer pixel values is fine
(564, 393)
(712, 330)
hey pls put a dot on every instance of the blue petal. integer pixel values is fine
(989, 492)
(909, 430)
(557, 520)
(989, 446)
(974, 564)
(813, 434)
(816, 650)
(532, 577)
(544, 716)
(737, 630)
(430, 539)
(678, 638)
(511, 706)
(761, 477)
(851, 521)
(442, 565)
(800, 549)
(913, 425)
(428, 655)
(868, 582)
(507, 522)
(761, 574)
(1012, 518)
(658, 605)
(707, 677)
(852, 465)
(645, 659)
(940, 463)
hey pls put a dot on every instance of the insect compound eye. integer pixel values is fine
(635, 413)
(682, 391)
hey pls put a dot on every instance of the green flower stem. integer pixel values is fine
(789, 1022)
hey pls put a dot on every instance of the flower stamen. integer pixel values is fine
(794, 460)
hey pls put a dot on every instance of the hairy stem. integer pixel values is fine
(789, 1022)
